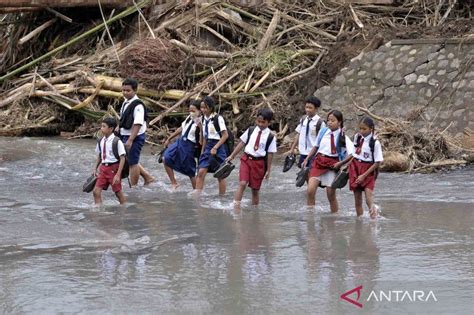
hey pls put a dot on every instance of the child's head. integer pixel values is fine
(312, 104)
(207, 105)
(366, 126)
(108, 126)
(264, 117)
(335, 120)
(194, 106)
(129, 88)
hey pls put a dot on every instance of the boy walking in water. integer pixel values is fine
(108, 169)
(256, 162)
(133, 117)
(308, 128)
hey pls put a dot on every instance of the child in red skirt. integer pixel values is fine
(256, 162)
(331, 146)
(364, 166)
(108, 168)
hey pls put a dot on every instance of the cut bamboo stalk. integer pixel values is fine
(201, 53)
(225, 82)
(265, 76)
(355, 17)
(121, 15)
(298, 73)
(59, 15)
(310, 28)
(90, 98)
(269, 33)
(247, 84)
(36, 31)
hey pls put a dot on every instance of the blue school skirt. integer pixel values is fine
(180, 157)
(209, 162)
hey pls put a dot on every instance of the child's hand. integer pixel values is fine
(337, 166)
(229, 159)
(128, 144)
(116, 179)
(360, 179)
(213, 151)
(303, 164)
(166, 143)
(94, 172)
(267, 176)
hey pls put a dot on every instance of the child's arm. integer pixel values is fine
(236, 151)
(118, 176)
(269, 165)
(338, 165)
(293, 145)
(223, 139)
(172, 136)
(310, 155)
(97, 163)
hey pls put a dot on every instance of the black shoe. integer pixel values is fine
(302, 176)
(224, 170)
(89, 184)
(289, 161)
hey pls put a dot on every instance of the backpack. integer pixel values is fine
(126, 118)
(319, 123)
(340, 143)
(126, 167)
(229, 143)
(267, 145)
(197, 135)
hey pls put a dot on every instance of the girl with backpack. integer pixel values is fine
(363, 169)
(332, 150)
(180, 155)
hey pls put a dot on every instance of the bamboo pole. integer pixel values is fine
(269, 33)
(119, 16)
(36, 31)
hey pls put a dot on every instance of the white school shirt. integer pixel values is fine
(249, 148)
(138, 117)
(213, 134)
(366, 154)
(325, 145)
(109, 152)
(304, 147)
(192, 132)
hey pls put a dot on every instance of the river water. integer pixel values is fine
(167, 252)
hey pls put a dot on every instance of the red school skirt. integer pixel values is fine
(252, 171)
(357, 168)
(322, 164)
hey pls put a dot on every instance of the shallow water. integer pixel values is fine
(167, 252)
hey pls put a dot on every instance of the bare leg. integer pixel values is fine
(170, 173)
(358, 202)
(121, 197)
(222, 186)
(200, 178)
(331, 193)
(146, 176)
(313, 184)
(134, 174)
(97, 192)
(239, 193)
(369, 199)
(255, 197)
(193, 181)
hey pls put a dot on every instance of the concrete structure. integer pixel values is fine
(404, 76)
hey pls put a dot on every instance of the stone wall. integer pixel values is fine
(405, 76)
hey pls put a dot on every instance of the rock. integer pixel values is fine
(410, 79)
(395, 162)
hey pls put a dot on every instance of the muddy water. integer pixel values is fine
(166, 252)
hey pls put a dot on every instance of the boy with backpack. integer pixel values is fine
(216, 146)
(308, 129)
(256, 162)
(110, 165)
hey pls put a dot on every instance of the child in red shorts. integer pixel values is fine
(364, 166)
(256, 162)
(109, 167)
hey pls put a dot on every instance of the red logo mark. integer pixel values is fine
(345, 296)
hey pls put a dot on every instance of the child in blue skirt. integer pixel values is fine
(214, 132)
(180, 155)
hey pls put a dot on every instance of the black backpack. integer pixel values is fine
(371, 144)
(126, 118)
(126, 167)
(267, 145)
(229, 143)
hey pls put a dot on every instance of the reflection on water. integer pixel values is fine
(60, 254)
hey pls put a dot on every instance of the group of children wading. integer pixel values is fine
(204, 145)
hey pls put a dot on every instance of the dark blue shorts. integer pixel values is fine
(134, 154)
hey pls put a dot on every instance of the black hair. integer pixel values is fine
(209, 101)
(338, 116)
(313, 100)
(266, 114)
(369, 122)
(110, 122)
(195, 103)
(132, 82)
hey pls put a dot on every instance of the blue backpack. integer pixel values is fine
(340, 143)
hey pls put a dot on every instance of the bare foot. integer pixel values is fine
(151, 180)
(373, 212)
(175, 186)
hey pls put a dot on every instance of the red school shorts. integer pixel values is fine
(252, 171)
(357, 168)
(106, 178)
